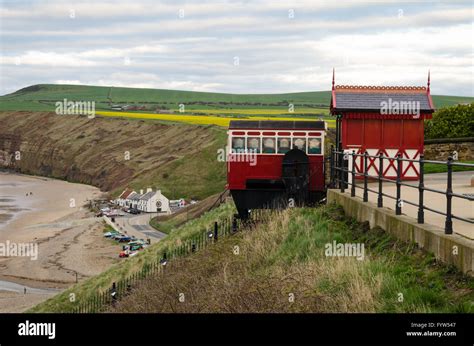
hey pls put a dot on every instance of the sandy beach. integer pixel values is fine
(48, 214)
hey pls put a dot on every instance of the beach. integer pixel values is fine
(47, 215)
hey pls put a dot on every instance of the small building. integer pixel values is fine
(122, 199)
(384, 120)
(153, 202)
(133, 199)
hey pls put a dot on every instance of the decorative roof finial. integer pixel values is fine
(428, 89)
(333, 78)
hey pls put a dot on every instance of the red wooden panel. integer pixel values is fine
(352, 131)
(254, 133)
(284, 133)
(239, 133)
(411, 133)
(392, 134)
(269, 133)
(315, 133)
(372, 133)
(299, 133)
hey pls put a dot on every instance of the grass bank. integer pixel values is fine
(438, 168)
(281, 266)
(100, 283)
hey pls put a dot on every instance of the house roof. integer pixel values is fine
(126, 193)
(134, 196)
(373, 98)
(147, 196)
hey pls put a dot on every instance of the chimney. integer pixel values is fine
(149, 189)
(333, 77)
(141, 191)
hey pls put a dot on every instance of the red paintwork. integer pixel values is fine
(270, 167)
(361, 131)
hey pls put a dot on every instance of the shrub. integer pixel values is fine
(451, 122)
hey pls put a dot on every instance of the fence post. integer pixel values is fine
(366, 193)
(234, 225)
(421, 188)
(448, 228)
(353, 187)
(398, 202)
(380, 197)
(331, 167)
(341, 171)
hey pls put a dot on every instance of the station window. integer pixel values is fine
(299, 143)
(269, 146)
(284, 145)
(238, 145)
(314, 146)
(253, 145)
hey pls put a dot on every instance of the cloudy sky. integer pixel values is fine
(260, 46)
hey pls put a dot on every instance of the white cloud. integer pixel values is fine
(145, 44)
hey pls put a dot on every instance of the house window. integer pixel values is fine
(238, 145)
(253, 145)
(269, 145)
(284, 145)
(314, 146)
(299, 143)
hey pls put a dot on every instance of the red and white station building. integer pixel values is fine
(382, 119)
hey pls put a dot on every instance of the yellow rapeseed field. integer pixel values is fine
(196, 119)
(256, 111)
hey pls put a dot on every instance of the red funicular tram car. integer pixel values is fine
(275, 160)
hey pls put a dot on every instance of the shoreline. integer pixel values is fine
(49, 213)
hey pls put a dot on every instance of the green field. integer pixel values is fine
(42, 97)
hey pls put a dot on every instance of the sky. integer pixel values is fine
(246, 47)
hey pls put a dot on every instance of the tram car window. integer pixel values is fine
(269, 146)
(299, 143)
(314, 146)
(283, 145)
(253, 145)
(238, 145)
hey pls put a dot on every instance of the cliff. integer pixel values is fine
(113, 153)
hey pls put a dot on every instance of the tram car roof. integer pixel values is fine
(277, 124)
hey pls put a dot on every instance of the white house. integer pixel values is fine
(122, 199)
(133, 199)
(153, 201)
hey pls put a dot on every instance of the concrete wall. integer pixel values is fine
(109, 222)
(452, 249)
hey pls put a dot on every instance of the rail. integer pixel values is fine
(339, 178)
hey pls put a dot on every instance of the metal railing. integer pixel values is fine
(339, 178)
